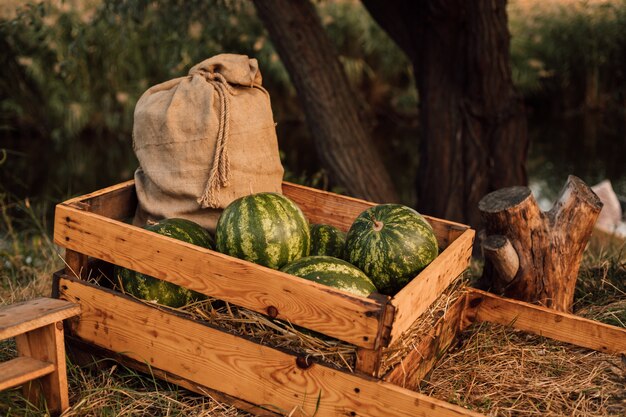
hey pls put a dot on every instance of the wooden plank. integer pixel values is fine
(22, 369)
(87, 355)
(325, 207)
(569, 328)
(421, 292)
(46, 344)
(75, 263)
(236, 366)
(340, 211)
(429, 349)
(104, 192)
(23, 317)
(324, 309)
(118, 203)
(368, 360)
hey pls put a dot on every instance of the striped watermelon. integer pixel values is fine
(155, 290)
(333, 272)
(391, 243)
(265, 228)
(327, 240)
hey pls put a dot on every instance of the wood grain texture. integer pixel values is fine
(234, 365)
(429, 349)
(484, 306)
(75, 263)
(22, 369)
(99, 359)
(549, 245)
(340, 211)
(324, 309)
(46, 344)
(423, 290)
(23, 317)
(104, 193)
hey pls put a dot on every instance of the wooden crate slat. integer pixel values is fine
(22, 369)
(23, 317)
(324, 207)
(421, 292)
(546, 322)
(340, 211)
(236, 366)
(84, 355)
(317, 307)
(430, 348)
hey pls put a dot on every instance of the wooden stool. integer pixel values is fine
(37, 326)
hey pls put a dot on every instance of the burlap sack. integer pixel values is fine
(203, 141)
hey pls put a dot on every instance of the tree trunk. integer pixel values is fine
(534, 256)
(342, 136)
(473, 123)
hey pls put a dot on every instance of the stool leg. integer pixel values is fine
(46, 344)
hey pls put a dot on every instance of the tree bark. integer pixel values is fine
(474, 137)
(342, 136)
(548, 246)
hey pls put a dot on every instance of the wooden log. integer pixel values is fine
(549, 245)
(499, 250)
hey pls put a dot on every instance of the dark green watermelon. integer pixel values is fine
(327, 240)
(265, 228)
(155, 290)
(333, 272)
(391, 243)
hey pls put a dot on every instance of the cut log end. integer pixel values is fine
(499, 250)
(504, 199)
(583, 192)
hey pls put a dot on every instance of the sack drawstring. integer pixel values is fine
(219, 175)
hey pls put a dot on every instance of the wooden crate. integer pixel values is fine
(262, 379)
(93, 225)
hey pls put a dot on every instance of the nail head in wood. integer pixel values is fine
(304, 362)
(272, 312)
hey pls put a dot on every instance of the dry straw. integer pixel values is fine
(502, 372)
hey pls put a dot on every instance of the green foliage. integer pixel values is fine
(70, 79)
(571, 53)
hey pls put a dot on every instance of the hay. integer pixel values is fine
(282, 334)
(269, 332)
(393, 355)
(502, 372)
(274, 333)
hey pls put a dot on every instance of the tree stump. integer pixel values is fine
(532, 255)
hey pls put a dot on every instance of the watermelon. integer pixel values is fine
(155, 290)
(333, 272)
(391, 243)
(265, 228)
(327, 240)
